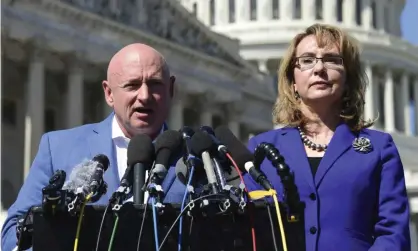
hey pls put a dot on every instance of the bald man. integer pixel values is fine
(139, 88)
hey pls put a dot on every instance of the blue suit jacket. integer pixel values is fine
(64, 150)
(361, 201)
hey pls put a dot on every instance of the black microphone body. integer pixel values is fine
(292, 197)
(141, 155)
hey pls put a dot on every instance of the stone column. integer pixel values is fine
(222, 12)
(75, 95)
(264, 10)
(176, 120)
(203, 7)
(349, 13)
(35, 107)
(369, 109)
(405, 114)
(308, 10)
(262, 65)
(330, 15)
(286, 9)
(366, 14)
(242, 8)
(206, 103)
(389, 102)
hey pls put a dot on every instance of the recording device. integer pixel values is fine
(292, 199)
(141, 155)
(202, 145)
(87, 179)
(53, 198)
(242, 156)
(24, 231)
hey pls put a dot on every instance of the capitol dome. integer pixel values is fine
(265, 27)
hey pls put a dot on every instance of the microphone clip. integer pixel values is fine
(24, 231)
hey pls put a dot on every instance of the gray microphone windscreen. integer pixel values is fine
(80, 175)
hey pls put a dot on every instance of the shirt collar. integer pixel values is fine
(117, 132)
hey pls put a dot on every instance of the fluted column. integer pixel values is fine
(222, 12)
(366, 14)
(243, 10)
(75, 95)
(141, 12)
(35, 107)
(203, 7)
(370, 108)
(286, 9)
(389, 102)
(406, 115)
(308, 10)
(264, 10)
(416, 104)
(234, 111)
(349, 12)
(330, 15)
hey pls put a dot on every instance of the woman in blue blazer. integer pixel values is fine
(350, 178)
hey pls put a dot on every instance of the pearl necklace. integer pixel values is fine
(307, 142)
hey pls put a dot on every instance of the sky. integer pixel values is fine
(409, 21)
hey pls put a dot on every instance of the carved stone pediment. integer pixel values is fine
(163, 18)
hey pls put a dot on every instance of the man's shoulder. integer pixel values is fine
(72, 133)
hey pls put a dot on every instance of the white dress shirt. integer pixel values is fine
(120, 141)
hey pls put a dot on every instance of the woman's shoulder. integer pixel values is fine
(271, 134)
(377, 137)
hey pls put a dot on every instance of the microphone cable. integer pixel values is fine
(142, 225)
(250, 207)
(183, 211)
(112, 237)
(101, 227)
(271, 224)
(80, 219)
(154, 220)
(186, 192)
(258, 194)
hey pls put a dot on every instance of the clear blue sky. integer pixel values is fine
(409, 21)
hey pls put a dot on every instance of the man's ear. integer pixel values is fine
(172, 80)
(107, 93)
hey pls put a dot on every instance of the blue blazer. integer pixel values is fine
(64, 150)
(360, 201)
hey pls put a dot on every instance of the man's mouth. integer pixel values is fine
(143, 110)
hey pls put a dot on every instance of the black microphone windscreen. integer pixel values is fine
(238, 150)
(102, 159)
(200, 143)
(186, 132)
(168, 146)
(140, 150)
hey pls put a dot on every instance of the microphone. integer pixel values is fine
(53, 197)
(188, 158)
(87, 178)
(202, 145)
(242, 156)
(141, 155)
(167, 146)
(287, 177)
(221, 148)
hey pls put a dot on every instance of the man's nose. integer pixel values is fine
(143, 93)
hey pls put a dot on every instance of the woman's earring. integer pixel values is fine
(297, 96)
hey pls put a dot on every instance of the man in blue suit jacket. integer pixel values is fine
(139, 88)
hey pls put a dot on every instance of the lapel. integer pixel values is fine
(291, 145)
(340, 143)
(100, 142)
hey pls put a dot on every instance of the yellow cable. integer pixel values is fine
(80, 219)
(255, 195)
